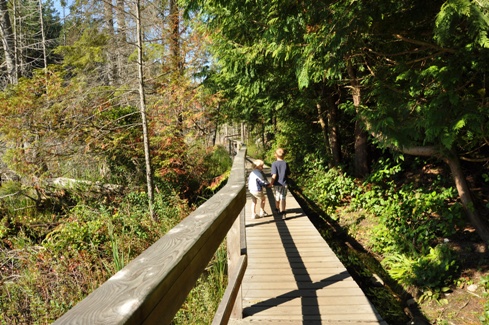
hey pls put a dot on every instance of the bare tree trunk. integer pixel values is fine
(43, 35)
(361, 155)
(16, 49)
(121, 38)
(7, 37)
(460, 183)
(112, 59)
(121, 20)
(149, 173)
(176, 63)
(333, 132)
(324, 126)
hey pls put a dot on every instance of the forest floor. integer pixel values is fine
(467, 297)
(464, 303)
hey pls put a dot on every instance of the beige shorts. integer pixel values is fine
(257, 196)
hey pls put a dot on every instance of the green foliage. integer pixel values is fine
(471, 15)
(53, 261)
(484, 281)
(254, 150)
(202, 302)
(431, 271)
(330, 188)
(87, 52)
(300, 140)
(82, 251)
(217, 162)
(410, 217)
(435, 294)
(484, 318)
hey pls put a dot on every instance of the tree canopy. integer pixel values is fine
(411, 73)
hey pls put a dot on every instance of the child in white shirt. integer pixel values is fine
(256, 183)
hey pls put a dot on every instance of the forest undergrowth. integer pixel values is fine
(403, 237)
(50, 259)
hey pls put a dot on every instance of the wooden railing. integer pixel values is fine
(152, 287)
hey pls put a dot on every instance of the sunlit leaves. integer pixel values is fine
(459, 19)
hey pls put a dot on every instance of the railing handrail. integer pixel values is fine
(153, 286)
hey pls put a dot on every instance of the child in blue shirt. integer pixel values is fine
(280, 174)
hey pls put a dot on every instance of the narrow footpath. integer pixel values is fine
(293, 276)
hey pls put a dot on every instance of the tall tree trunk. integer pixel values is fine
(333, 130)
(175, 57)
(460, 183)
(175, 54)
(322, 118)
(466, 197)
(121, 38)
(16, 48)
(7, 35)
(142, 96)
(361, 153)
(112, 58)
(328, 120)
(43, 35)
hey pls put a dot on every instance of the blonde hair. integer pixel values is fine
(279, 153)
(258, 163)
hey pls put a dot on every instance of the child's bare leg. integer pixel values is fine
(262, 206)
(253, 206)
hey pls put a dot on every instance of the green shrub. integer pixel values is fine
(433, 270)
(410, 218)
(79, 254)
(202, 302)
(413, 219)
(407, 220)
(329, 188)
(484, 318)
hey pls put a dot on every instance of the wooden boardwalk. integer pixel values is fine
(293, 276)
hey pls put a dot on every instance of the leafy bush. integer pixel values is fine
(43, 280)
(202, 302)
(484, 318)
(433, 270)
(410, 218)
(329, 188)
(51, 261)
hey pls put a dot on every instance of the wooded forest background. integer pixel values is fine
(131, 96)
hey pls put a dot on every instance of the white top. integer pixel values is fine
(256, 181)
